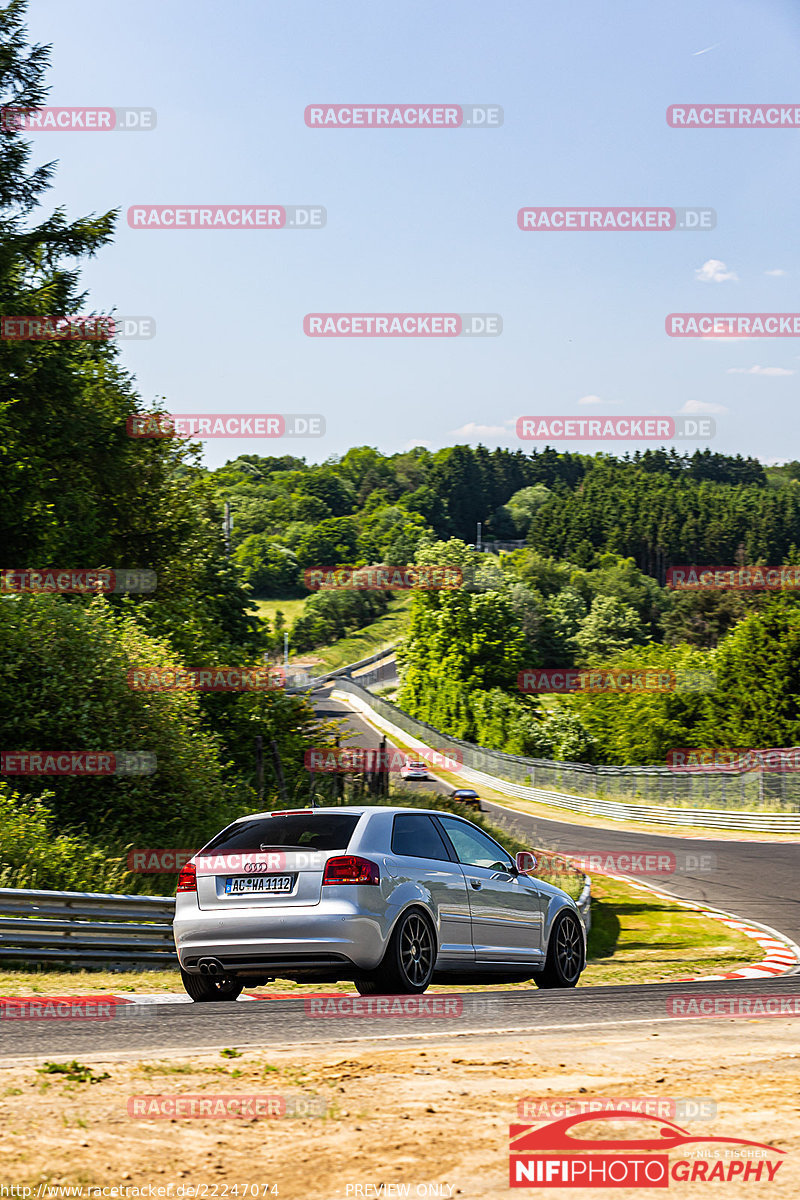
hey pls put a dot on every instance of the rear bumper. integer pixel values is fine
(335, 934)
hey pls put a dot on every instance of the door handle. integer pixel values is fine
(476, 884)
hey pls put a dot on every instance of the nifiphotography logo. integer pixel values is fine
(631, 1151)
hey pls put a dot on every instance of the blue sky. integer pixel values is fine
(425, 220)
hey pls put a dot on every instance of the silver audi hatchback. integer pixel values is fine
(393, 899)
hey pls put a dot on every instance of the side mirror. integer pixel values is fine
(526, 862)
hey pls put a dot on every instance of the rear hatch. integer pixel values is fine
(273, 860)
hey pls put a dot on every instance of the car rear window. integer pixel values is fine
(317, 831)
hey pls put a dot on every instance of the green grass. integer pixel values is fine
(387, 629)
(291, 609)
(383, 632)
(638, 938)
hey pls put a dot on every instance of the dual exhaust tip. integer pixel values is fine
(211, 966)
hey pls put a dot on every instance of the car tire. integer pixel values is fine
(203, 988)
(564, 962)
(407, 966)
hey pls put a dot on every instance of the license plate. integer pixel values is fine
(259, 883)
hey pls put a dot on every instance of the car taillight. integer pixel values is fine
(187, 880)
(349, 868)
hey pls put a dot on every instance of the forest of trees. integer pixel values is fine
(600, 533)
(658, 508)
(465, 650)
(78, 492)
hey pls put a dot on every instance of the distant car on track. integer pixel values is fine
(391, 898)
(414, 770)
(467, 796)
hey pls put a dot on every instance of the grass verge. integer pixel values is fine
(291, 609)
(387, 629)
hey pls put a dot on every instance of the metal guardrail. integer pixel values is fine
(86, 927)
(92, 928)
(355, 666)
(507, 769)
(300, 679)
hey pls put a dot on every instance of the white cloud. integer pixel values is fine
(714, 271)
(696, 52)
(417, 442)
(777, 271)
(700, 406)
(473, 430)
(759, 371)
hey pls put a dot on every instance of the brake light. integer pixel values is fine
(349, 868)
(290, 812)
(187, 880)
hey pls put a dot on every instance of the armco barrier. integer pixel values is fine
(91, 928)
(86, 927)
(355, 666)
(735, 789)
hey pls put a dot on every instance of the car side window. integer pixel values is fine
(474, 849)
(414, 835)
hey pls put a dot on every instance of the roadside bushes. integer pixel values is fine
(34, 853)
(267, 567)
(328, 616)
(63, 672)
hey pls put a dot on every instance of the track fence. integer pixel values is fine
(624, 792)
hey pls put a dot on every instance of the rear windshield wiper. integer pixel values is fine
(286, 847)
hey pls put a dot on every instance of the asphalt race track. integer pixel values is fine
(152, 1029)
(758, 881)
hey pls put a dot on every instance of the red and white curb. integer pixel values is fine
(782, 954)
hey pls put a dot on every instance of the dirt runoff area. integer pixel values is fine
(383, 1120)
